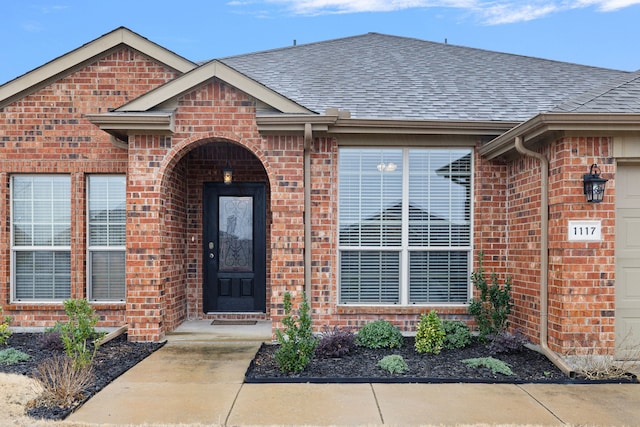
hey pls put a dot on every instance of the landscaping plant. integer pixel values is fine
(494, 304)
(379, 334)
(62, 381)
(496, 366)
(335, 342)
(394, 364)
(5, 332)
(11, 356)
(297, 342)
(79, 334)
(430, 334)
(507, 342)
(457, 334)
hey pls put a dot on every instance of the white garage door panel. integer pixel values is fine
(627, 257)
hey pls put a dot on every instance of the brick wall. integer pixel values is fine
(45, 132)
(581, 274)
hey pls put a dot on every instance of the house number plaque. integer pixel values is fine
(585, 231)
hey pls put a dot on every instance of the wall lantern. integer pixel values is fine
(594, 185)
(227, 174)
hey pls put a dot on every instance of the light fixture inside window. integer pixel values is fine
(390, 167)
(594, 185)
(227, 174)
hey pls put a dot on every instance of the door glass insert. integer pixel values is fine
(236, 233)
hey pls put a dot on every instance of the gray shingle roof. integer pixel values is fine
(381, 76)
(621, 95)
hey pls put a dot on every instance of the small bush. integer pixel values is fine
(379, 334)
(430, 334)
(11, 356)
(62, 381)
(51, 340)
(457, 334)
(79, 331)
(494, 304)
(506, 342)
(393, 364)
(5, 332)
(297, 342)
(335, 342)
(496, 366)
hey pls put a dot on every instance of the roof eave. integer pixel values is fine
(544, 123)
(121, 125)
(340, 123)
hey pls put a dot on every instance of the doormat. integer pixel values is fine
(231, 322)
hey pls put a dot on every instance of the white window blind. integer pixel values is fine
(106, 235)
(41, 237)
(405, 225)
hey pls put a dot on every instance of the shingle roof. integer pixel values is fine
(621, 95)
(381, 76)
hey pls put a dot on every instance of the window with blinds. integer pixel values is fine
(106, 237)
(41, 237)
(405, 225)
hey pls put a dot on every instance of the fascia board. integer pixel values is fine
(560, 122)
(339, 125)
(41, 76)
(130, 123)
(208, 71)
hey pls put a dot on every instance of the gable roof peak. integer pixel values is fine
(65, 64)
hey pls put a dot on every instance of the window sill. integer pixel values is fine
(58, 306)
(401, 309)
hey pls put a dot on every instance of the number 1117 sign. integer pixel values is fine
(585, 231)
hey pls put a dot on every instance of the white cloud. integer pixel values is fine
(491, 12)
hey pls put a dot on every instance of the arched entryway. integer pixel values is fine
(218, 235)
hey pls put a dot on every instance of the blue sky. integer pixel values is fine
(603, 33)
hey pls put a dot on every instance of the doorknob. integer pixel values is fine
(210, 245)
(211, 255)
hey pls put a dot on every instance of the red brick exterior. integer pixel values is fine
(46, 132)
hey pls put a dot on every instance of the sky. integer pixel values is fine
(601, 33)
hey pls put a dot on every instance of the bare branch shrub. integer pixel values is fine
(625, 360)
(62, 381)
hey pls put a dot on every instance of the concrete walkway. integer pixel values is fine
(197, 378)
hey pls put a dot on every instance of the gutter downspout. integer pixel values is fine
(308, 138)
(544, 258)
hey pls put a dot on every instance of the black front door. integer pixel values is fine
(234, 247)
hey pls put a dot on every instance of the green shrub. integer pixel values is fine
(297, 342)
(78, 334)
(5, 332)
(11, 356)
(394, 364)
(496, 366)
(430, 334)
(457, 334)
(494, 304)
(379, 334)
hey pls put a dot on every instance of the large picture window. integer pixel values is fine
(41, 237)
(405, 225)
(106, 235)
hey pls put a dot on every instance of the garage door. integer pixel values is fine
(627, 256)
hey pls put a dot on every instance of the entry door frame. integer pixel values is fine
(212, 192)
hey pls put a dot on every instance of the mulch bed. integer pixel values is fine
(112, 359)
(360, 366)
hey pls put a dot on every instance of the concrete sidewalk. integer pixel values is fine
(197, 377)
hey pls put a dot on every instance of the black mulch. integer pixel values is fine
(360, 366)
(112, 359)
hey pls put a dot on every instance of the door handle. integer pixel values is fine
(211, 255)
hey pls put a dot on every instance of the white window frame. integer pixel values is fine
(405, 249)
(100, 248)
(35, 248)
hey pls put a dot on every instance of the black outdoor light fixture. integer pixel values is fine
(594, 185)
(227, 174)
